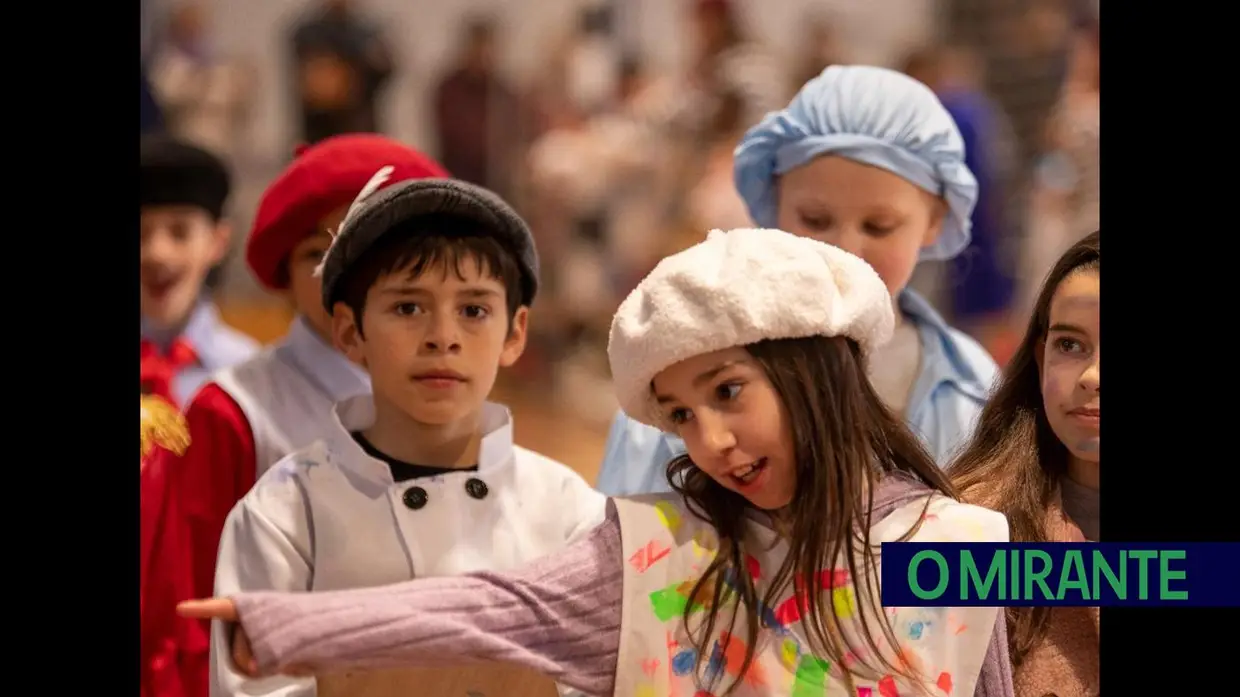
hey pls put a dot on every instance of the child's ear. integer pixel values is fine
(938, 214)
(221, 237)
(347, 334)
(514, 345)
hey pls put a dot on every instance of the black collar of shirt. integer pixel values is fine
(404, 471)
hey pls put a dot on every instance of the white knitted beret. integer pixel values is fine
(738, 288)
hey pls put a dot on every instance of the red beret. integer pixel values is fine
(322, 178)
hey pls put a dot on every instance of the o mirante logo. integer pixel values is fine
(1080, 574)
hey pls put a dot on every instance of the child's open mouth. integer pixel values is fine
(159, 290)
(159, 285)
(750, 474)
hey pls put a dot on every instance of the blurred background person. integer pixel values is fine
(979, 285)
(341, 62)
(821, 48)
(1067, 184)
(182, 236)
(725, 60)
(204, 97)
(713, 200)
(151, 115)
(474, 110)
(596, 177)
(1024, 45)
(609, 125)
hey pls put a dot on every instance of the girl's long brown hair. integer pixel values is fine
(1014, 462)
(845, 440)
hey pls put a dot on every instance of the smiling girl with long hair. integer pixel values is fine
(1035, 457)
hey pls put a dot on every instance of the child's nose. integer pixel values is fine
(1091, 379)
(717, 438)
(157, 248)
(442, 335)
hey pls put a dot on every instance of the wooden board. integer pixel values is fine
(479, 680)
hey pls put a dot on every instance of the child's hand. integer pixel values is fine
(224, 610)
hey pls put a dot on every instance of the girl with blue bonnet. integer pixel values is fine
(866, 159)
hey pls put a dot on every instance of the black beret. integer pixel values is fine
(375, 215)
(176, 173)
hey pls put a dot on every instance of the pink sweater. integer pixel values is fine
(559, 615)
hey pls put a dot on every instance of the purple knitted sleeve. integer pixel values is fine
(995, 679)
(559, 616)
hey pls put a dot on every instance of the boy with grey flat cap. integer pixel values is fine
(429, 284)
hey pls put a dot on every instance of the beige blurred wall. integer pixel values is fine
(423, 33)
(879, 30)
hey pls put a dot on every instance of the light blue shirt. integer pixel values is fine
(947, 397)
(333, 374)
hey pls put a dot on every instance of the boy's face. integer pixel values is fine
(870, 212)
(305, 290)
(180, 244)
(434, 343)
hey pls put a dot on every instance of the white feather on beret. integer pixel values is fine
(737, 288)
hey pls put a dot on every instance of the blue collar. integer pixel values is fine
(942, 360)
(329, 369)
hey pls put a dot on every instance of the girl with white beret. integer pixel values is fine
(760, 576)
(869, 160)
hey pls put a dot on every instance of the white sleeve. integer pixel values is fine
(586, 507)
(261, 550)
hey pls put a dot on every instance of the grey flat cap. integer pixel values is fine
(414, 198)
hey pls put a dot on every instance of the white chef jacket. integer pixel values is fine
(330, 517)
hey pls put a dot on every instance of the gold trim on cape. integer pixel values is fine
(163, 425)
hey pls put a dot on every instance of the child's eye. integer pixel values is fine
(678, 416)
(1069, 345)
(406, 309)
(728, 391)
(814, 222)
(476, 312)
(876, 230)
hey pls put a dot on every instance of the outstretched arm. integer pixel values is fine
(559, 616)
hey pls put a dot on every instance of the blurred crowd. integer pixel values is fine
(616, 164)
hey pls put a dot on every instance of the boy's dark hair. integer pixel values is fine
(426, 243)
(174, 172)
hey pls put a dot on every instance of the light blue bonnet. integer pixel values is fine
(872, 115)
